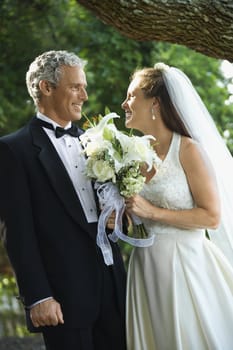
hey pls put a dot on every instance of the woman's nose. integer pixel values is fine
(123, 104)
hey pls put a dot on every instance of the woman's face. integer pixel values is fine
(138, 109)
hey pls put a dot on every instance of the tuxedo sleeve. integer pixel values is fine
(19, 235)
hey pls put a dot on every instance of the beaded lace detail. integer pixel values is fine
(168, 188)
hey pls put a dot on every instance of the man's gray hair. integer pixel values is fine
(48, 67)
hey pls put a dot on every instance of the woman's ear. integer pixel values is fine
(155, 102)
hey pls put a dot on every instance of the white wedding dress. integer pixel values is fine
(180, 290)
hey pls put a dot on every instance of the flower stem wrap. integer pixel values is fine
(110, 200)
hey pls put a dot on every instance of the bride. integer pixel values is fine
(180, 290)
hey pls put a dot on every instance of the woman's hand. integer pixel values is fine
(140, 206)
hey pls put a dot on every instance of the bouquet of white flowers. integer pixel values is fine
(113, 161)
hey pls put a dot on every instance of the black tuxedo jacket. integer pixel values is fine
(51, 246)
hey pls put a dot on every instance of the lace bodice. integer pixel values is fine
(168, 188)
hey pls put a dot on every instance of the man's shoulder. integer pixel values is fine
(18, 141)
(16, 136)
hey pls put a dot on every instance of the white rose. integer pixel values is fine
(91, 148)
(103, 171)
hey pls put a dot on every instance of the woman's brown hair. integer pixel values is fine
(153, 85)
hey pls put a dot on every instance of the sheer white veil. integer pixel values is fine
(202, 128)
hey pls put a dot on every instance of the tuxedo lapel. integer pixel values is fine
(59, 178)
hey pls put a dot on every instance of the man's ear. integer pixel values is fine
(45, 87)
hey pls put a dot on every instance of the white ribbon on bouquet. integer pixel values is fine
(110, 200)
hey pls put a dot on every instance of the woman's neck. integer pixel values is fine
(162, 143)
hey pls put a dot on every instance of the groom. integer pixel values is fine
(49, 211)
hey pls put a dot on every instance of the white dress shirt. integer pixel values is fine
(71, 154)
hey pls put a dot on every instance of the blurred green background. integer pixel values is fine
(28, 28)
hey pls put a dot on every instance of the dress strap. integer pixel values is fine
(173, 152)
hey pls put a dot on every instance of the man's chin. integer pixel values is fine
(76, 117)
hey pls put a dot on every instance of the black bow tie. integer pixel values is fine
(59, 132)
(72, 131)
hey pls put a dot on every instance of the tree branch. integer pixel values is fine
(205, 26)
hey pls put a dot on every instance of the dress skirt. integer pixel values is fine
(180, 295)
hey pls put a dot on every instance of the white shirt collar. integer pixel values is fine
(41, 116)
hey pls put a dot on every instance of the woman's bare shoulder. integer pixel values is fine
(192, 153)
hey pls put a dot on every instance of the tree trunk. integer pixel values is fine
(203, 25)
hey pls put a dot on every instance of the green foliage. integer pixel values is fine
(12, 315)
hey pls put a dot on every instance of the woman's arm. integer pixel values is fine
(203, 186)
